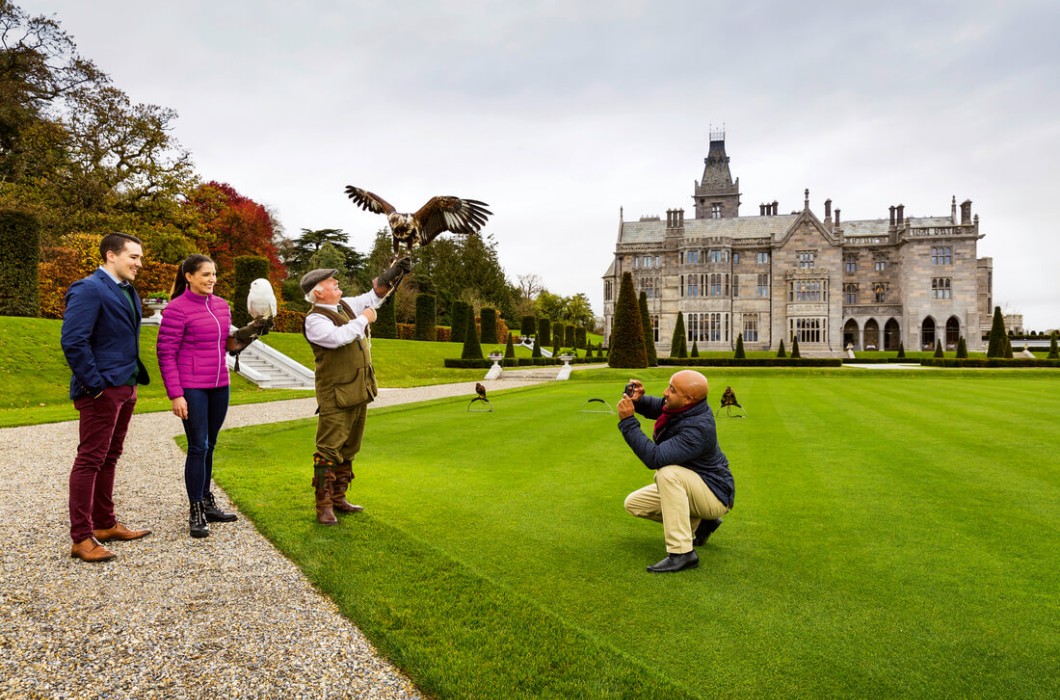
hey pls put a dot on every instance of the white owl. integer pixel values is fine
(261, 301)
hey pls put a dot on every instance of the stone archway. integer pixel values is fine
(953, 332)
(872, 335)
(927, 334)
(850, 334)
(892, 335)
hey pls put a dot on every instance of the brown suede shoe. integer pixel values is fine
(90, 550)
(119, 532)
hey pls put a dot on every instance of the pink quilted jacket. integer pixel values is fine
(191, 343)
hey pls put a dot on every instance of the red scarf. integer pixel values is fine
(664, 418)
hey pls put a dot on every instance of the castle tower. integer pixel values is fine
(717, 196)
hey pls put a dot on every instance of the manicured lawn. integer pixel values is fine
(895, 535)
(35, 379)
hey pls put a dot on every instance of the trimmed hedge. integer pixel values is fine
(750, 362)
(991, 362)
(248, 269)
(426, 318)
(454, 363)
(488, 321)
(19, 265)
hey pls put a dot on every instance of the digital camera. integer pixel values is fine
(630, 388)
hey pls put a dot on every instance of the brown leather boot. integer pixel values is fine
(322, 482)
(343, 477)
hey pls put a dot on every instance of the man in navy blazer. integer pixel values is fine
(101, 341)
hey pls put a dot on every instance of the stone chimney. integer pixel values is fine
(761, 209)
(953, 210)
(837, 218)
(828, 209)
(966, 212)
(901, 214)
(892, 216)
(776, 204)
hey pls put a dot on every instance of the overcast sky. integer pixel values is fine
(559, 113)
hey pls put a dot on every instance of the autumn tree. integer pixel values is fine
(236, 225)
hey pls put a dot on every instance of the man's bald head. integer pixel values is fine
(686, 388)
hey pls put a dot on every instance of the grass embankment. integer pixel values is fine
(895, 535)
(35, 379)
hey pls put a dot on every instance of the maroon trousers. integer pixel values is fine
(104, 422)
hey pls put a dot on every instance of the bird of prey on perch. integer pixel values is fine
(438, 215)
(480, 390)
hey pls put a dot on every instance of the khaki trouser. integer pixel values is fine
(678, 499)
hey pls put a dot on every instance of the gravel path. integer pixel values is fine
(172, 617)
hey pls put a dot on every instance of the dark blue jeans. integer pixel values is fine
(206, 414)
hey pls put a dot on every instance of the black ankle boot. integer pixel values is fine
(197, 526)
(215, 514)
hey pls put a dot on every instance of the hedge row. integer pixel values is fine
(456, 363)
(877, 361)
(990, 362)
(750, 362)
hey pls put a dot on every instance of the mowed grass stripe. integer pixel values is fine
(883, 544)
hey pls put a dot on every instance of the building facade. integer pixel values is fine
(833, 284)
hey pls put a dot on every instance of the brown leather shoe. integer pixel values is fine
(90, 550)
(344, 506)
(119, 532)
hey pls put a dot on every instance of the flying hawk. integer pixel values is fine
(439, 214)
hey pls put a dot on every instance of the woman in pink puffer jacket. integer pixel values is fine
(191, 356)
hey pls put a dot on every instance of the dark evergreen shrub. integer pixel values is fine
(679, 342)
(458, 321)
(248, 269)
(795, 348)
(1054, 352)
(536, 352)
(996, 344)
(695, 349)
(509, 349)
(740, 355)
(20, 243)
(780, 350)
(385, 325)
(579, 337)
(649, 336)
(426, 318)
(488, 319)
(901, 350)
(962, 348)
(472, 348)
(627, 333)
(544, 331)
(938, 349)
(528, 327)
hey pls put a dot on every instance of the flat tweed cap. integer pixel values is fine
(315, 277)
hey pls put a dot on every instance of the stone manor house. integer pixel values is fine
(867, 284)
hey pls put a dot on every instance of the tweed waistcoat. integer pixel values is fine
(344, 375)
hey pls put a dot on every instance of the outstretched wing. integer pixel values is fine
(450, 214)
(369, 201)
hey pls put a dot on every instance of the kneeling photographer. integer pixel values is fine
(693, 485)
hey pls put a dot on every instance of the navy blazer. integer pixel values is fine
(101, 335)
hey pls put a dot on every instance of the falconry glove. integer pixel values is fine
(396, 272)
(248, 334)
